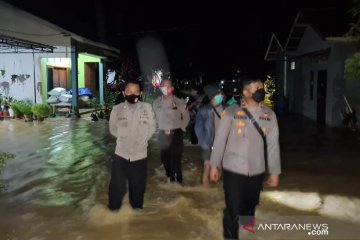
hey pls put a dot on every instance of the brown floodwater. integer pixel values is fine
(56, 188)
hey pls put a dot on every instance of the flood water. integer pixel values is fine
(57, 188)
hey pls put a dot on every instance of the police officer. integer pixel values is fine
(132, 123)
(172, 118)
(239, 149)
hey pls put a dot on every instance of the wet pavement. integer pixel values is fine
(57, 186)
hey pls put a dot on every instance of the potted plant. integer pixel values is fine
(15, 107)
(10, 100)
(25, 108)
(6, 107)
(41, 111)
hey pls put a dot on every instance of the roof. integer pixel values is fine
(273, 49)
(56, 30)
(328, 23)
(16, 45)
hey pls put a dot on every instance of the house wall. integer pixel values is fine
(299, 79)
(33, 81)
(82, 59)
(53, 62)
(32, 77)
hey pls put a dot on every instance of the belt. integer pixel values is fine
(171, 131)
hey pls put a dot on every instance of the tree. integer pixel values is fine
(352, 64)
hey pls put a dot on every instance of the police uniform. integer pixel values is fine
(132, 125)
(239, 149)
(172, 118)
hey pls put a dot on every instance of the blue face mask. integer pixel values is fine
(218, 99)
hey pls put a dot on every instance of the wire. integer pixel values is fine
(32, 34)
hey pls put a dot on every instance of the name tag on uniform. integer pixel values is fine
(240, 117)
(265, 118)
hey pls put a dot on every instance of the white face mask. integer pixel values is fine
(164, 90)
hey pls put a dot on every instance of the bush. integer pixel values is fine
(16, 109)
(41, 110)
(25, 107)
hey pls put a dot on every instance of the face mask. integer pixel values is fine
(166, 91)
(132, 98)
(218, 99)
(259, 95)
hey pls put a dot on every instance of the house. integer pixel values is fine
(310, 65)
(36, 56)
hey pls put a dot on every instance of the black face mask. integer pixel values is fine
(259, 95)
(132, 98)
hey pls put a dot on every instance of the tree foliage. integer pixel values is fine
(352, 64)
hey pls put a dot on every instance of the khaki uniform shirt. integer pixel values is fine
(133, 129)
(171, 113)
(238, 146)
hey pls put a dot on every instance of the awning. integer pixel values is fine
(15, 45)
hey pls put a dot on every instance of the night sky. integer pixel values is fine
(211, 38)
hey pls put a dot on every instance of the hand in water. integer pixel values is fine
(214, 174)
(273, 181)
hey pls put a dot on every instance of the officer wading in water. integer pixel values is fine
(132, 123)
(172, 118)
(243, 134)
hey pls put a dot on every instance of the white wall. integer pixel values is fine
(299, 79)
(23, 64)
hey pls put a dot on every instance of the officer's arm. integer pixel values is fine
(185, 116)
(221, 136)
(152, 125)
(112, 122)
(156, 108)
(272, 138)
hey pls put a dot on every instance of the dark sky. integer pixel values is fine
(217, 38)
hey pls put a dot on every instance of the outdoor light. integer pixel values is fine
(293, 65)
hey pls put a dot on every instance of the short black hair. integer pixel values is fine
(162, 81)
(199, 89)
(133, 82)
(247, 80)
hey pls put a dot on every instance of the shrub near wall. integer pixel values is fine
(41, 111)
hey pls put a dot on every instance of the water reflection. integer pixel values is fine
(58, 182)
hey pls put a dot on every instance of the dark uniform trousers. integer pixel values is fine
(241, 197)
(124, 172)
(171, 153)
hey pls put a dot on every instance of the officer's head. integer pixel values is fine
(132, 92)
(196, 90)
(253, 89)
(166, 87)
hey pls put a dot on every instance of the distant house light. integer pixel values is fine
(292, 65)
